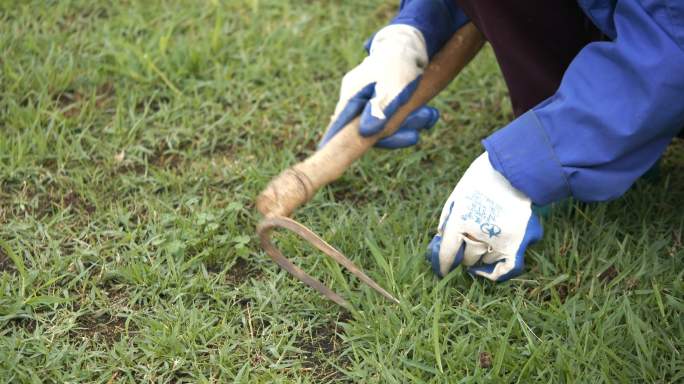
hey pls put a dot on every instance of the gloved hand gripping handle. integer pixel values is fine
(297, 184)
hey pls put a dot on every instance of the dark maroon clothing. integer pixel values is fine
(534, 42)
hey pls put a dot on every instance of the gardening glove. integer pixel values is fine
(382, 83)
(486, 225)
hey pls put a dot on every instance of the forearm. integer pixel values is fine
(618, 106)
(437, 20)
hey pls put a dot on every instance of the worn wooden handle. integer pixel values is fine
(297, 184)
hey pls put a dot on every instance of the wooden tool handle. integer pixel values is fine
(297, 184)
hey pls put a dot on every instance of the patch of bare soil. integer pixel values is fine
(72, 101)
(153, 104)
(103, 327)
(608, 275)
(322, 344)
(26, 323)
(55, 200)
(240, 272)
(485, 360)
(6, 263)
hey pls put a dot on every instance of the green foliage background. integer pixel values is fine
(134, 136)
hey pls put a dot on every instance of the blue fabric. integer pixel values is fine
(437, 20)
(354, 106)
(371, 125)
(618, 106)
(408, 133)
(519, 152)
(432, 255)
(533, 233)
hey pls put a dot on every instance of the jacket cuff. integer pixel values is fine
(522, 152)
(437, 20)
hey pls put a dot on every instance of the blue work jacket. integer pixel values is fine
(618, 106)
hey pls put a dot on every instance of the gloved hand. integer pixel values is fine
(383, 82)
(486, 225)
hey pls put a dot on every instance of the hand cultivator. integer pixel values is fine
(297, 184)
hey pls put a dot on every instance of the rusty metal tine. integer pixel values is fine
(264, 230)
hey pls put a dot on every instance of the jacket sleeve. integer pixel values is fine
(618, 106)
(437, 20)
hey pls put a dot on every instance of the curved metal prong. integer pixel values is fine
(264, 231)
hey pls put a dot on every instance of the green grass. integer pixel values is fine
(134, 138)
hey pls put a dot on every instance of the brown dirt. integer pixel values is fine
(5, 263)
(103, 327)
(239, 273)
(348, 193)
(72, 101)
(48, 199)
(485, 360)
(632, 283)
(172, 161)
(55, 200)
(73, 200)
(609, 274)
(324, 342)
(305, 149)
(153, 104)
(29, 325)
(562, 290)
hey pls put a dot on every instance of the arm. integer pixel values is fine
(385, 80)
(437, 20)
(619, 105)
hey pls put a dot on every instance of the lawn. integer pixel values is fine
(135, 136)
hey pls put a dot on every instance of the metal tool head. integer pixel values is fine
(264, 230)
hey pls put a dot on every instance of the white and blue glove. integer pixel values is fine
(382, 83)
(486, 225)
